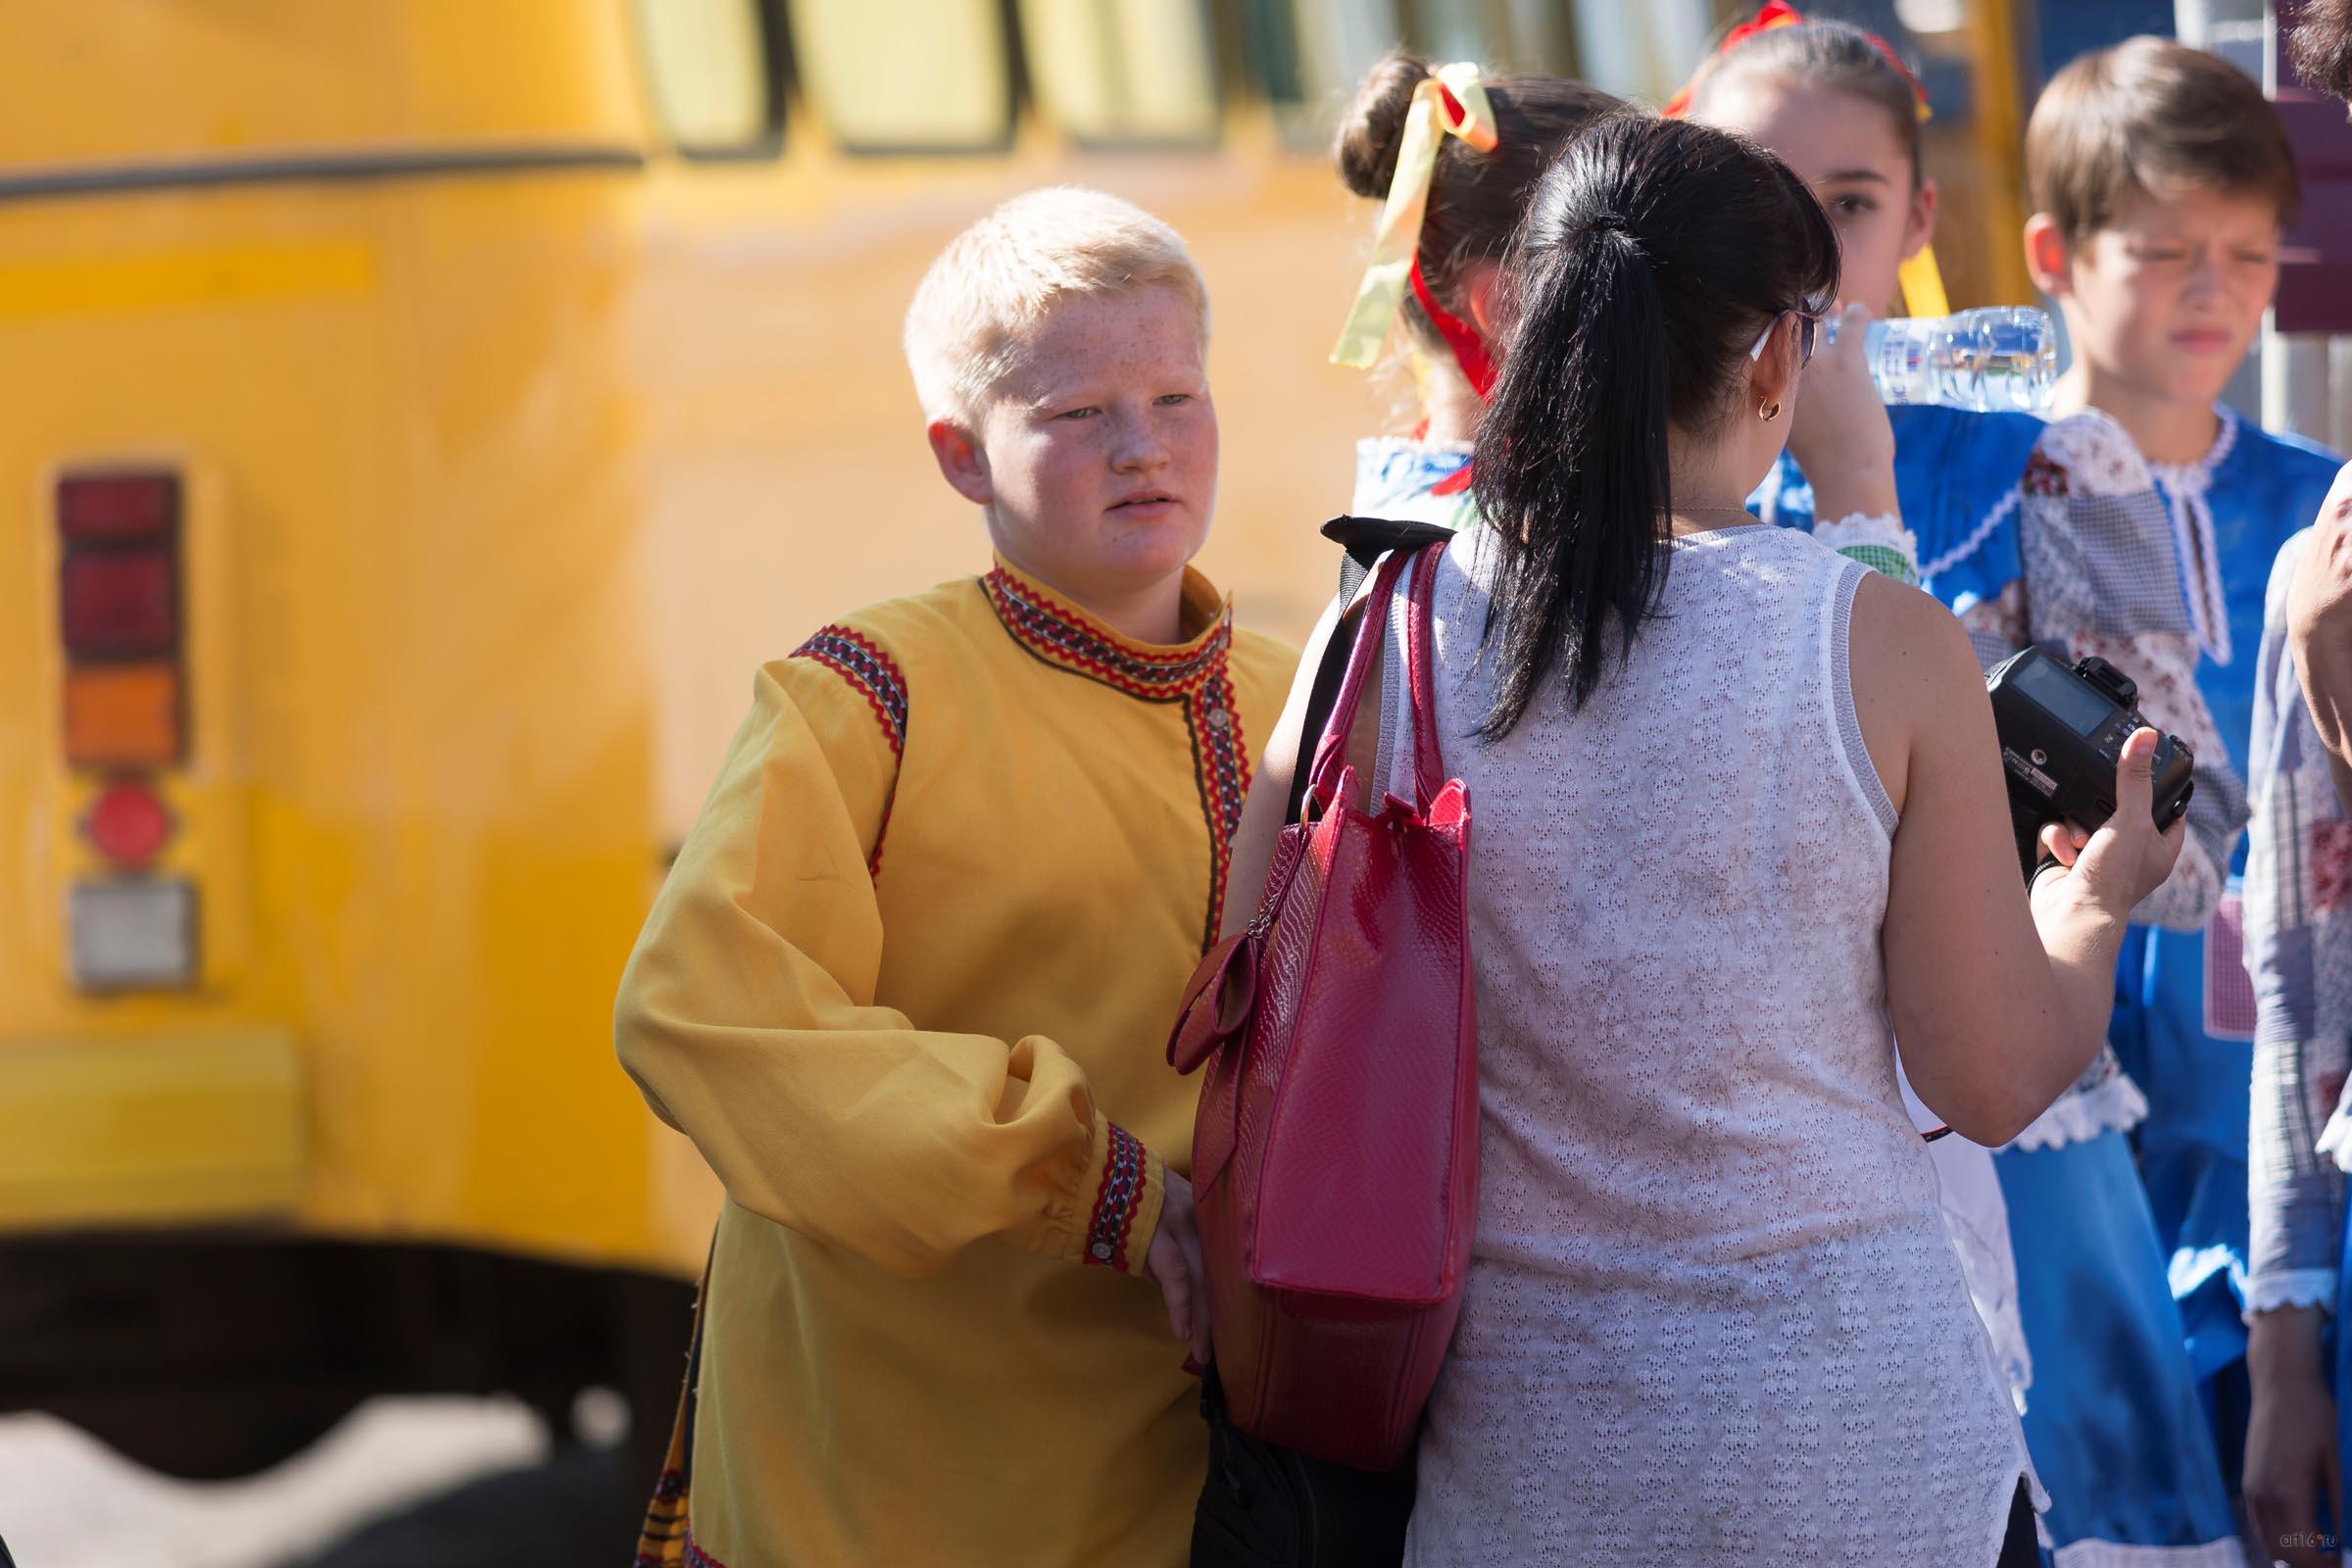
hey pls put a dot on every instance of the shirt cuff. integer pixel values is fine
(1878, 540)
(1119, 1200)
(2291, 1287)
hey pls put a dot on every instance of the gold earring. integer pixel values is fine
(1769, 412)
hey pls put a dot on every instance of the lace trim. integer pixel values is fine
(2112, 1105)
(1878, 540)
(2187, 491)
(2294, 1286)
(2116, 1555)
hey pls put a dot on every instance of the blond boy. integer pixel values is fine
(909, 984)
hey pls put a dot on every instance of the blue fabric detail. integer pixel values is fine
(1953, 470)
(2113, 1418)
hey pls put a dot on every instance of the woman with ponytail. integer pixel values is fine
(2024, 529)
(1741, 828)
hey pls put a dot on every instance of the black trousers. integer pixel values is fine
(2020, 1548)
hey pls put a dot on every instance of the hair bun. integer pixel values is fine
(1374, 124)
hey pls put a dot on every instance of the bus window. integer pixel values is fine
(1310, 55)
(1123, 73)
(714, 69)
(875, 95)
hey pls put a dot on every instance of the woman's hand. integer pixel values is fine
(2126, 859)
(1174, 1264)
(1840, 434)
(2292, 1462)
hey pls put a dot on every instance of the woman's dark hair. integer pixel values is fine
(1656, 252)
(1835, 55)
(1475, 199)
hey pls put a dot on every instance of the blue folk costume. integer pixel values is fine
(2185, 1007)
(2035, 532)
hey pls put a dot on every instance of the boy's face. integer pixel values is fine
(2167, 299)
(1097, 454)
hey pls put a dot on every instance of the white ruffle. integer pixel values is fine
(2336, 1139)
(1881, 530)
(2115, 1554)
(2290, 1287)
(2114, 1105)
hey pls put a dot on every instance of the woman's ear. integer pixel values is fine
(2049, 260)
(1919, 226)
(962, 460)
(1772, 378)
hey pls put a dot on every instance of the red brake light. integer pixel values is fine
(118, 602)
(118, 507)
(128, 824)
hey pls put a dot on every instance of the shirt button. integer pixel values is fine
(1101, 1251)
(1218, 719)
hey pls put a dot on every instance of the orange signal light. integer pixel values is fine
(123, 715)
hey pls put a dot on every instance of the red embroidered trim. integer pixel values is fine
(696, 1556)
(1221, 768)
(1198, 679)
(1057, 636)
(1115, 1204)
(875, 676)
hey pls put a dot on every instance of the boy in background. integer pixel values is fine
(909, 986)
(2163, 183)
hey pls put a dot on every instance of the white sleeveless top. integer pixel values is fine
(1713, 1314)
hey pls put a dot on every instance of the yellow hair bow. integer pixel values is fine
(1451, 101)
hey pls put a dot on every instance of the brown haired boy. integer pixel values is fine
(2164, 185)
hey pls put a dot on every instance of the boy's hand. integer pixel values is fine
(1840, 434)
(1174, 1263)
(2291, 1464)
(2319, 629)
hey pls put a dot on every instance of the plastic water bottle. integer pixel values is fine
(1999, 359)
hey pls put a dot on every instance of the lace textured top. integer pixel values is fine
(1713, 1314)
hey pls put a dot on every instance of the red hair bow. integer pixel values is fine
(1779, 14)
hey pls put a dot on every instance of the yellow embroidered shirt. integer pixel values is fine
(908, 988)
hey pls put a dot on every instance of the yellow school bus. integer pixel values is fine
(420, 416)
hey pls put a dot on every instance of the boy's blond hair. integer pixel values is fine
(972, 313)
(2152, 116)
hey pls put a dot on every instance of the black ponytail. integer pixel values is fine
(1653, 254)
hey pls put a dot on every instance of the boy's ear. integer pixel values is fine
(1919, 229)
(962, 460)
(2049, 260)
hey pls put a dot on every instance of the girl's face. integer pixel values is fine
(1843, 147)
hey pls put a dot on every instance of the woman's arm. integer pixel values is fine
(1997, 1004)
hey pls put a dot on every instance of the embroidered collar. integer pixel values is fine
(1059, 632)
(2187, 491)
(2195, 478)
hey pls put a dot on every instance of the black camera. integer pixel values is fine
(2062, 731)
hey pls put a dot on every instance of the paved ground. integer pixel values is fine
(452, 1483)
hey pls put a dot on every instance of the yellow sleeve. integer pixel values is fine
(747, 1017)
